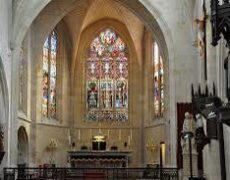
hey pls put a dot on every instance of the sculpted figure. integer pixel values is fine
(189, 126)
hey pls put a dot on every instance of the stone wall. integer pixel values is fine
(176, 43)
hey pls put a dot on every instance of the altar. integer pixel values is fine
(99, 159)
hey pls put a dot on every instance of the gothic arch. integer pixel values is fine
(151, 17)
(86, 37)
(23, 146)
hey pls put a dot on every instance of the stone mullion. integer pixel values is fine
(60, 55)
(58, 67)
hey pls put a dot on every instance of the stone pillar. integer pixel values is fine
(147, 44)
(211, 158)
(211, 161)
(212, 58)
(186, 164)
(227, 149)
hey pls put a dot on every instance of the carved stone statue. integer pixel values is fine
(189, 128)
(188, 133)
(189, 124)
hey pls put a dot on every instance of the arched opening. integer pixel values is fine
(23, 147)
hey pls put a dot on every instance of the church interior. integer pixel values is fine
(115, 84)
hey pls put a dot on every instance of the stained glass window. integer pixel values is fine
(107, 78)
(158, 74)
(49, 76)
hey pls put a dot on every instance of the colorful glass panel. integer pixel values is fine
(49, 76)
(158, 81)
(45, 85)
(53, 75)
(107, 78)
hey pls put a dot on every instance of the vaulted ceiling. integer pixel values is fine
(85, 14)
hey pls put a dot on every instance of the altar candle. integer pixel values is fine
(69, 136)
(129, 140)
(119, 134)
(108, 133)
(79, 134)
(131, 134)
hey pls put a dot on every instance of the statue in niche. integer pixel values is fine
(92, 99)
(121, 95)
(189, 128)
(92, 95)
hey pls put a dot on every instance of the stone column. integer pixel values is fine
(227, 149)
(147, 44)
(212, 58)
(211, 159)
(186, 163)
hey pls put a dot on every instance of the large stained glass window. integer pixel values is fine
(49, 76)
(107, 78)
(158, 74)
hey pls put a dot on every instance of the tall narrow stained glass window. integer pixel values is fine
(49, 76)
(158, 74)
(107, 78)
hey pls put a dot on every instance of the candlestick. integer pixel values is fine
(69, 136)
(79, 134)
(108, 134)
(128, 140)
(119, 134)
(131, 134)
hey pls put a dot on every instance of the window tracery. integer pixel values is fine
(107, 78)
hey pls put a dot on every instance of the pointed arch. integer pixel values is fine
(107, 77)
(121, 112)
(23, 146)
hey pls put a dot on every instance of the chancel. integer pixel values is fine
(99, 156)
(115, 89)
